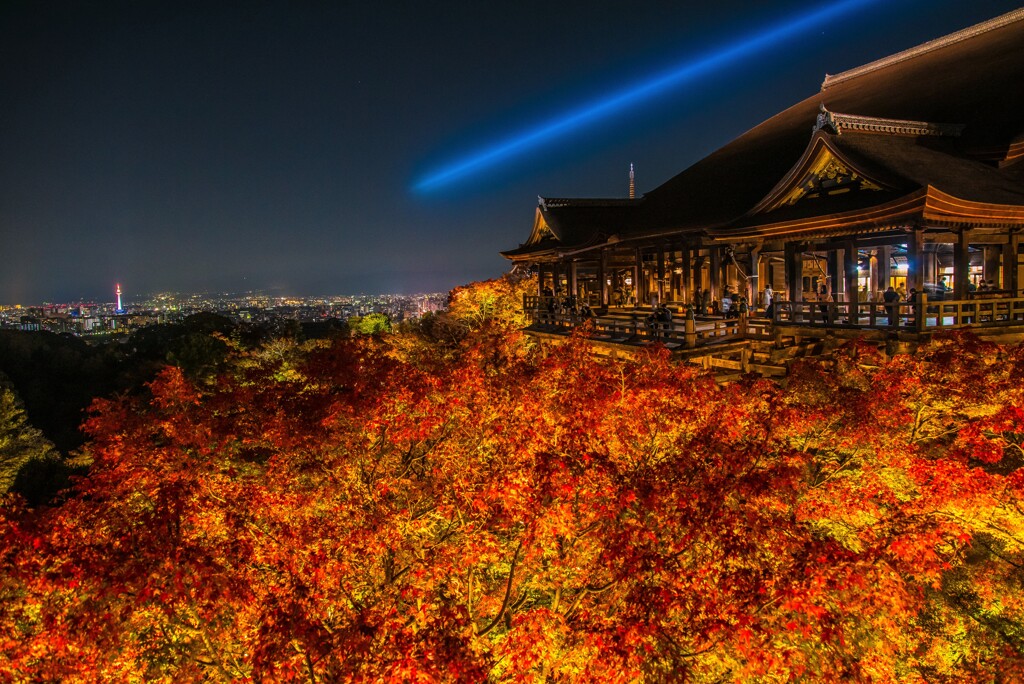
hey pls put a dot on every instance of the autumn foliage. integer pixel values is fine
(354, 511)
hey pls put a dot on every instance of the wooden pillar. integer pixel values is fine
(698, 271)
(884, 268)
(833, 262)
(794, 267)
(930, 263)
(602, 277)
(661, 274)
(638, 273)
(1010, 274)
(716, 272)
(573, 282)
(992, 259)
(850, 263)
(687, 284)
(961, 265)
(921, 318)
(540, 279)
(754, 279)
(915, 259)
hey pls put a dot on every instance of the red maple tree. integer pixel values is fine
(378, 510)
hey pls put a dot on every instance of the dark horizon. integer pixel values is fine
(234, 146)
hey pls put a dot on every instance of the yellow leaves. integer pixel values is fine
(378, 511)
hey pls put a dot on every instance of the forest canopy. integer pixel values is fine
(444, 503)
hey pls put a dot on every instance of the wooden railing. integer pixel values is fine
(920, 316)
(637, 326)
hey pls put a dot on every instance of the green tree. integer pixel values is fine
(20, 443)
(370, 324)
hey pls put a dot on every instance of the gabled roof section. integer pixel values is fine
(583, 222)
(840, 123)
(967, 78)
(924, 48)
(822, 171)
(541, 238)
(928, 204)
(1014, 154)
(541, 229)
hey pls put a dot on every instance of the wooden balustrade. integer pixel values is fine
(921, 316)
(634, 326)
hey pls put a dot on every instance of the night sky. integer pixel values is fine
(231, 146)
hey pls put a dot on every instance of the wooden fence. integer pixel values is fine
(637, 326)
(919, 316)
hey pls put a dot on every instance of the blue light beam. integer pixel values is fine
(631, 95)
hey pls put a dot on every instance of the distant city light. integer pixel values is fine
(614, 102)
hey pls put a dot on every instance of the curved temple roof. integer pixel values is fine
(944, 114)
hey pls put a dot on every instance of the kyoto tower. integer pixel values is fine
(117, 291)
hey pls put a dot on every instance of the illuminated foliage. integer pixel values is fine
(370, 324)
(498, 301)
(339, 512)
(20, 443)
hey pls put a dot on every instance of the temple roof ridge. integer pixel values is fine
(839, 123)
(939, 43)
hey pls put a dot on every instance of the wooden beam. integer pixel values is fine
(974, 237)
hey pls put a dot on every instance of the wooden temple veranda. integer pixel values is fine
(907, 172)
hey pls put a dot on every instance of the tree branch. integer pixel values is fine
(508, 592)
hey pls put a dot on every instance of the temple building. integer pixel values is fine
(907, 172)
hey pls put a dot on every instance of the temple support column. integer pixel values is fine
(884, 268)
(1010, 270)
(794, 267)
(915, 259)
(638, 270)
(687, 276)
(961, 265)
(832, 262)
(850, 263)
(991, 270)
(661, 274)
(573, 282)
(753, 279)
(714, 277)
(602, 277)
(698, 269)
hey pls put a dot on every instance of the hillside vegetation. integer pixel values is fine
(442, 503)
